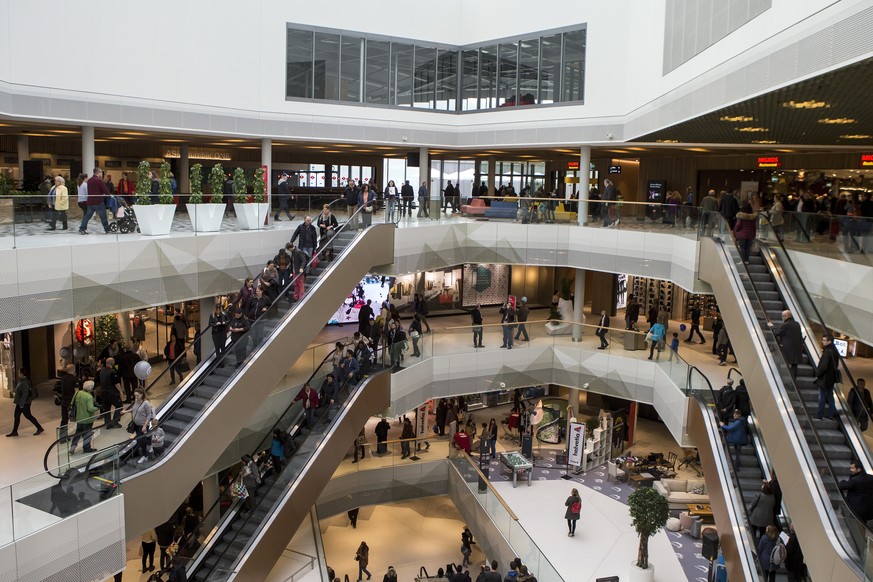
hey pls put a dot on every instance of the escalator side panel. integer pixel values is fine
(826, 560)
(162, 487)
(374, 397)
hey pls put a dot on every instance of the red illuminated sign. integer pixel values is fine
(867, 160)
(768, 161)
(572, 165)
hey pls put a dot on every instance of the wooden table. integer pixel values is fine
(644, 479)
(702, 511)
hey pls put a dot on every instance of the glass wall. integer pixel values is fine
(333, 66)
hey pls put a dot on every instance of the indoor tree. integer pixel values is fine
(259, 186)
(165, 187)
(143, 183)
(196, 178)
(216, 183)
(649, 511)
(240, 186)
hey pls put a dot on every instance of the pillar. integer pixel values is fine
(579, 302)
(23, 154)
(207, 304)
(89, 161)
(492, 172)
(184, 170)
(267, 163)
(210, 497)
(584, 172)
(424, 175)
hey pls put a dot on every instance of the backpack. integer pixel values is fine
(576, 507)
(778, 556)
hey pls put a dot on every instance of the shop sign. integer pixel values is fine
(421, 420)
(195, 153)
(572, 165)
(615, 169)
(768, 161)
(867, 160)
(576, 443)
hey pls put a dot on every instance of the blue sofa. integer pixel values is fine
(500, 209)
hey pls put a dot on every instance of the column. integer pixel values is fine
(267, 162)
(23, 154)
(579, 303)
(584, 172)
(207, 304)
(210, 497)
(184, 171)
(89, 162)
(424, 176)
(492, 172)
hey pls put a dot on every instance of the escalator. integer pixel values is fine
(208, 410)
(810, 454)
(245, 543)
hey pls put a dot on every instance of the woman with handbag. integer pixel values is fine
(175, 348)
(142, 414)
(415, 334)
(362, 556)
(327, 227)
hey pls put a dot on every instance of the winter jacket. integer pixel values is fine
(59, 197)
(307, 234)
(746, 225)
(97, 191)
(762, 510)
(736, 435)
(85, 408)
(826, 370)
(570, 514)
(765, 548)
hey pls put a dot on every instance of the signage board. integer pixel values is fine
(620, 291)
(576, 443)
(768, 161)
(615, 169)
(867, 160)
(573, 165)
(842, 347)
(421, 420)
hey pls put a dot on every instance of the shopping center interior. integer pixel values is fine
(535, 194)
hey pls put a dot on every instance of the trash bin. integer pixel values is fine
(483, 483)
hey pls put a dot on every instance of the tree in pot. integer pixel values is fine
(165, 186)
(154, 219)
(259, 187)
(562, 313)
(143, 183)
(216, 181)
(251, 216)
(205, 217)
(196, 178)
(240, 186)
(649, 512)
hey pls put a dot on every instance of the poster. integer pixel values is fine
(620, 291)
(485, 284)
(656, 194)
(576, 443)
(373, 287)
(421, 420)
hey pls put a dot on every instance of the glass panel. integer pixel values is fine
(425, 77)
(350, 69)
(298, 77)
(488, 77)
(401, 74)
(528, 65)
(447, 81)
(326, 66)
(550, 68)
(508, 83)
(470, 74)
(377, 72)
(574, 66)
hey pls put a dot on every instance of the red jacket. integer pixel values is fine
(746, 225)
(97, 191)
(313, 398)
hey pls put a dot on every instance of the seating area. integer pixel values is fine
(561, 213)
(476, 207)
(682, 492)
(501, 209)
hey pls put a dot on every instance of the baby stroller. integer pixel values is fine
(125, 217)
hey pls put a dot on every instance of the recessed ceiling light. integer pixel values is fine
(33, 134)
(736, 118)
(698, 150)
(134, 133)
(752, 129)
(250, 147)
(837, 121)
(667, 141)
(764, 141)
(235, 140)
(119, 137)
(805, 104)
(856, 136)
(66, 131)
(313, 147)
(174, 140)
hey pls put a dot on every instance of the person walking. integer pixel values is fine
(574, 508)
(656, 337)
(283, 193)
(415, 334)
(362, 555)
(466, 545)
(521, 316)
(826, 377)
(723, 344)
(96, 202)
(674, 347)
(476, 318)
(407, 195)
(420, 306)
(59, 202)
(24, 395)
(507, 318)
(406, 435)
(68, 391)
(790, 338)
(695, 325)
(423, 210)
(602, 330)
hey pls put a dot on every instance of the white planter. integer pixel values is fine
(206, 217)
(639, 575)
(155, 219)
(251, 216)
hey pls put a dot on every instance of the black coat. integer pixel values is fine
(68, 388)
(826, 371)
(791, 339)
(859, 494)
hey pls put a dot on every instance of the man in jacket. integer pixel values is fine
(859, 492)
(709, 206)
(728, 207)
(22, 398)
(602, 330)
(423, 210)
(308, 235)
(350, 368)
(97, 192)
(127, 361)
(826, 377)
(727, 400)
(108, 381)
(125, 189)
(521, 316)
(407, 195)
(364, 315)
(407, 434)
(609, 194)
(476, 318)
(85, 411)
(507, 318)
(256, 308)
(310, 403)
(420, 306)
(632, 313)
(695, 325)
(68, 391)
(283, 193)
(448, 196)
(396, 342)
(382, 429)
(860, 403)
(238, 327)
(791, 339)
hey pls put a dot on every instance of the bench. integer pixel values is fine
(476, 206)
(500, 209)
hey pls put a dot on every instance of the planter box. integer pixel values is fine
(155, 219)
(206, 217)
(251, 216)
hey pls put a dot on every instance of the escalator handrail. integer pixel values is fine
(821, 320)
(822, 492)
(732, 475)
(262, 498)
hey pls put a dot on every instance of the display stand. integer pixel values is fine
(598, 448)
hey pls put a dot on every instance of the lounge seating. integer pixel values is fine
(500, 209)
(682, 492)
(476, 206)
(614, 472)
(562, 214)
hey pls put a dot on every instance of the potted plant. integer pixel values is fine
(251, 215)
(562, 313)
(154, 219)
(649, 511)
(206, 217)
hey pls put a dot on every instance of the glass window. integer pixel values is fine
(401, 74)
(377, 72)
(574, 66)
(528, 69)
(447, 80)
(298, 77)
(425, 77)
(507, 83)
(350, 69)
(550, 68)
(488, 77)
(469, 80)
(326, 66)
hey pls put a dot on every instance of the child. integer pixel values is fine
(674, 347)
(157, 439)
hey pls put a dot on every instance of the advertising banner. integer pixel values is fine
(421, 420)
(576, 442)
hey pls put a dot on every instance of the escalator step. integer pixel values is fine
(173, 425)
(207, 392)
(196, 402)
(186, 414)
